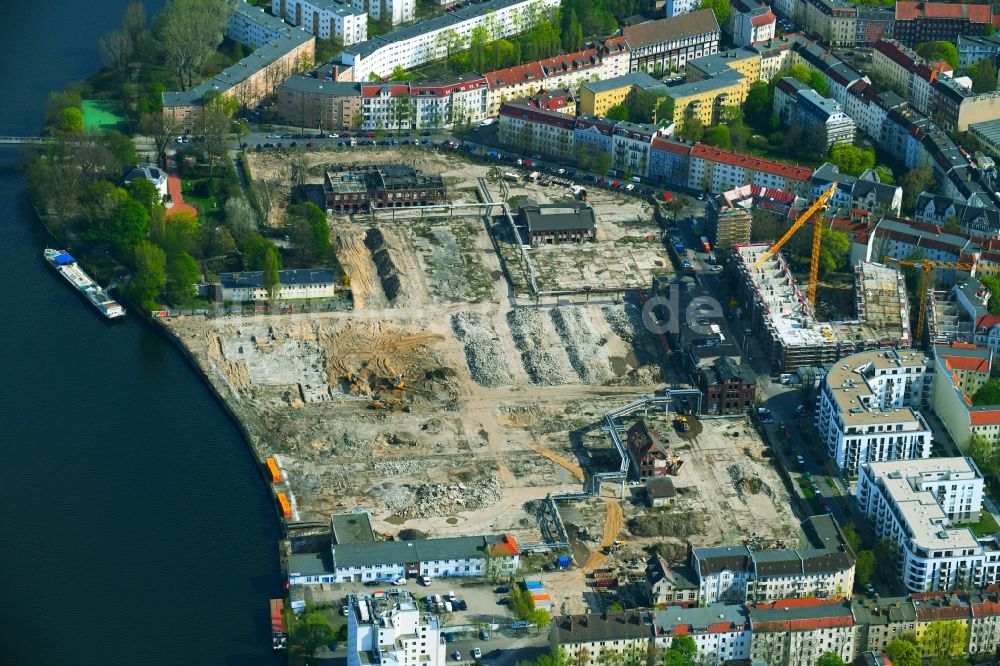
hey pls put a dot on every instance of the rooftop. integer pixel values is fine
(749, 162)
(928, 525)
(909, 11)
(723, 79)
(638, 79)
(857, 400)
(800, 614)
(601, 627)
(671, 29)
(558, 217)
(294, 276)
(353, 527)
(881, 301)
(709, 620)
(394, 552)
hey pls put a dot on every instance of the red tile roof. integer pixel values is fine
(671, 146)
(763, 19)
(967, 363)
(909, 11)
(982, 417)
(531, 71)
(507, 547)
(749, 162)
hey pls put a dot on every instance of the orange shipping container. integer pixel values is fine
(540, 597)
(272, 466)
(286, 507)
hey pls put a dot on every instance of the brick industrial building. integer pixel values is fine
(727, 387)
(359, 188)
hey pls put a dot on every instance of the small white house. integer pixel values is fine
(293, 284)
(150, 172)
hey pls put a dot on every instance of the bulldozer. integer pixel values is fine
(681, 423)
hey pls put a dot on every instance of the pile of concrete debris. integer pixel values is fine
(438, 499)
(625, 319)
(483, 351)
(584, 346)
(537, 355)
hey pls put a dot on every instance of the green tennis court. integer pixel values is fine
(102, 114)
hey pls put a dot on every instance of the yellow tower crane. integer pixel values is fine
(927, 267)
(815, 210)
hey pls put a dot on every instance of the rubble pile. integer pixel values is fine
(387, 272)
(748, 480)
(625, 319)
(439, 499)
(540, 362)
(389, 468)
(483, 352)
(584, 346)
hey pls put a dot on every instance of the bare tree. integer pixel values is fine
(241, 218)
(189, 31)
(299, 165)
(263, 194)
(160, 128)
(134, 21)
(115, 49)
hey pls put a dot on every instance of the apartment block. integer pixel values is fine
(678, 7)
(392, 629)
(835, 21)
(733, 220)
(398, 11)
(866, 192)
(603, 61)
(869, 408)
(955, 107)
(703, 99)
(752, 22)
(881, 620)
(915, 504)
(720, 633)
(597, 97)
(591, 639)
(716, 170)
(798, 105)
(918, 22)
(326, 19)
(304, 101)
(797, 632)
(254, 77)
(422, 42)
(529, 128)
(974, 217)
(974, 49)
(667, 44)
(953, 402)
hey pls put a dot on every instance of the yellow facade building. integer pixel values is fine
(596, 97)
(721, 79)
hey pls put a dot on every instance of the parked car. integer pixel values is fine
(345, 610)
(503, 589)
(371, 583)
(461, 605)
(333, 135)
(476, 653)
(456, 655)
(399, 581)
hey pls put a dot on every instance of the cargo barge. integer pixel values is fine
(66, 265)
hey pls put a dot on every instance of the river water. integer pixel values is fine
(134, 528)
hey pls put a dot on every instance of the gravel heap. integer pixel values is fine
(483, 352)
(583, 345)
(538, 357)
(625, 319)
(438, 499)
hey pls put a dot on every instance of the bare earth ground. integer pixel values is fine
(439, 405)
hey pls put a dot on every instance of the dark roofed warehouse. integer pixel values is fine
(558, 223)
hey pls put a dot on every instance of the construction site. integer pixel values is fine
(785, 323)
(441, 402)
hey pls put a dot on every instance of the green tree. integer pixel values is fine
(692, 129)
(718, 136)
(758, 106)
(130, 225)
(829, 659)
(885, 174)
(903, 653)
(938, 51)
(988, 394)
(944, 639)
(722, 8)
(521, 603)
(983, 75)
(913, 183)
(685, 647)
(539, 618)
(150, 275)
(398, 74)
(833, 251)
(182, 274)
(664, 111)
(188, 32)
(850, 159)
(71, 120)
(617, 112)
(864, 567)
(818, 83)
(801, 72)
(309, 633)
(272, 264)
(145, 193)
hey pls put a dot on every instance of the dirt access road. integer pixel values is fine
(613, 524)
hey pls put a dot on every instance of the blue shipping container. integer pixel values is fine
(563, 561)
(532, 585)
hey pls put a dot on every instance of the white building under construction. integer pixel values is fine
(785, 324)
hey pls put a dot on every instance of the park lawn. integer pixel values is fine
(211, 207)
(986, 526)
(102, 114)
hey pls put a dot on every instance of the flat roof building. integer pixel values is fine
(868, 408)
(915, 504)
(549, 224)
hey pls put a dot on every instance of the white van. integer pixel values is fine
(785, 378)
(448, 607)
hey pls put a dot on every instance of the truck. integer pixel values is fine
(681, 250)
(705, 245)
(512, 177)
(279, 637)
